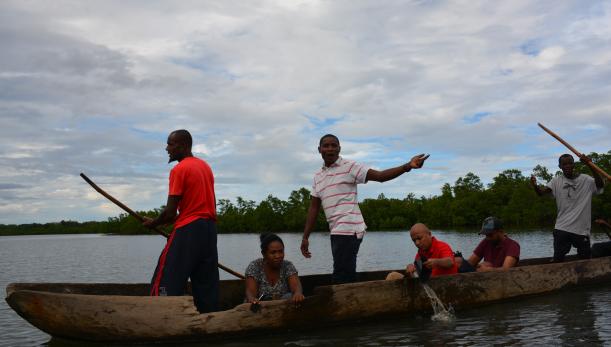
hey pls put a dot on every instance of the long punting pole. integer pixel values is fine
(577, 153)
(141, 219)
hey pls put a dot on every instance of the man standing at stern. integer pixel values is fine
(334, 189)
(573, 193)
(190, 251)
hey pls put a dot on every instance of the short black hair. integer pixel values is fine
(327, 135)
(565, 155)
(184, 137)
(268, 238)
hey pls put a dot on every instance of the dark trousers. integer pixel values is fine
(601, 249)
(344, 249)
(564, 240)
(190, 253)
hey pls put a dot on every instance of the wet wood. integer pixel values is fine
(123, 312)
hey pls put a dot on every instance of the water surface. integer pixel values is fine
(574, 317)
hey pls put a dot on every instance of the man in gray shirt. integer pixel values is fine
(573, 193)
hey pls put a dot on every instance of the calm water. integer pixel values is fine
(572, 317)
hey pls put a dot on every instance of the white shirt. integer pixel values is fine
(574, 202)
(335, 186)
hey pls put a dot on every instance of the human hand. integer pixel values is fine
(305, 245)
(417, 161)
(584, 159)
(430, 263)
(297, 298)
(484, 267)
(148, 222)
(410, 269)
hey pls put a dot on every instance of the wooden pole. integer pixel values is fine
(141, 219)
(577, 153)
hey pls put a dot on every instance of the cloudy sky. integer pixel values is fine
(96, 86)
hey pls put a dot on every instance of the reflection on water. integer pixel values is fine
(577, 316)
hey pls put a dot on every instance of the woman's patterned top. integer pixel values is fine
(276, 291)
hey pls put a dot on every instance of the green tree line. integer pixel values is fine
(465, 203)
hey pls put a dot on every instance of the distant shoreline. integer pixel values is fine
(460, 230)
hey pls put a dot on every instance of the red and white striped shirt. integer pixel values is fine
(335, 186)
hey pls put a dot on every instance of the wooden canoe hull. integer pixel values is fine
(121, 312)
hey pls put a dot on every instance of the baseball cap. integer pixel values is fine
(490, 224)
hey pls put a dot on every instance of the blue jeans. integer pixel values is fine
(344, 249)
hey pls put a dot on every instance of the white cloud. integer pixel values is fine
(97, 86)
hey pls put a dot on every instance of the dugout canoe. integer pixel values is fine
(124, 312)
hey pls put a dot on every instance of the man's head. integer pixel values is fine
(421, 235)
(179, 145)
(492, 228)
(329, 148)
(566, 163)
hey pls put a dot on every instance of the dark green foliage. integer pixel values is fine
(464, 204)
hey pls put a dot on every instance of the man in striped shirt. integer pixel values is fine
(334, 189)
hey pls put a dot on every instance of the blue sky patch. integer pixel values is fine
(205, 66)
(531, 47)
(476, 117)
(322, 123)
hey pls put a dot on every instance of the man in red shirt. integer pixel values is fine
(498, 251)
(436, 256)
(190, 251)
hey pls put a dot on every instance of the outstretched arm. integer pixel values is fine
(167, 215)
(386, 175)
(538, 189)
(310, 222)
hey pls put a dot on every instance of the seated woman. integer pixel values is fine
(272, 277)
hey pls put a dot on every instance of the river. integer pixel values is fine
(577, 316)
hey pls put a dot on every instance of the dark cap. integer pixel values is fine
(491, 224)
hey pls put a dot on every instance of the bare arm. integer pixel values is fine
(508, 263)
(386, 175)
(444, 263)
(252, 289)
(538, 189)
(310, 222)
(597, 177)
(474, 260)
(167, 215)
(295, 285)
(603, 222)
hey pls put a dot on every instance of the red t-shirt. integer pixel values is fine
(438, 250)
(192, 179)
(496, 254)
